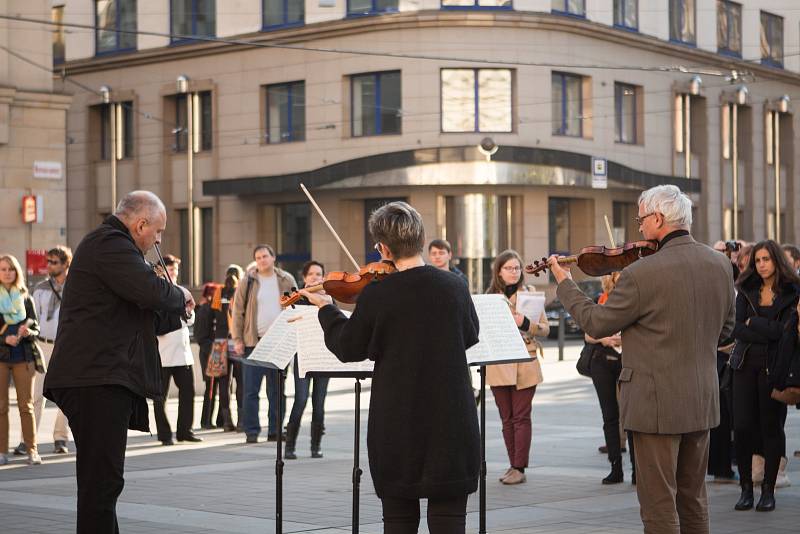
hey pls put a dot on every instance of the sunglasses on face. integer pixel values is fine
(53, 262)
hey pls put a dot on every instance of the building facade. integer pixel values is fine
(579, 105)
(33, 120)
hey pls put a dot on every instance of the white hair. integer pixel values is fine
(139, 204)
(669, 201)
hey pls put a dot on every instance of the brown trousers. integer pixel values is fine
(670, 482)
(23, 374)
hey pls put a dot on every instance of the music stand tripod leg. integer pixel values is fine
(356, 452)
(482, 498)
(279, 458)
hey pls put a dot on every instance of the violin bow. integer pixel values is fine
(328, 224)
(610, 233)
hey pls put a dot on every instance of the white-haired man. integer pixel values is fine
(673, 308)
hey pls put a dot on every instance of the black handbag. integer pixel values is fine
(584, 365)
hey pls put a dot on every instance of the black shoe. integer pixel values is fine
(615, 476)
(766, 503)
(251, 438)
(317, 430)
(746, 499)
(21, 450)
(239, 427)
(60, 447)
(167, 442)
(191, 438)
(207, 426)
(633, 477)
(291, 440)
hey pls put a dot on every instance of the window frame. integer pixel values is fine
(290, 93)
(128, 129)
(726, 5)
(477, 104)
(372, 11)
(564, 119)
(59, 36)
(619, 87)
(566, 10)
(378, 124)
(179, 41)
(679, 40)
(772, 19)
(206, 134)
(285, 23)
(117, 49)
(621, 24)
(477, 7)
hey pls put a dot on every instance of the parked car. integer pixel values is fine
(592, 289)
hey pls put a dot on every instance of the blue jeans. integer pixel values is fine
(301, 387)
(253, 377)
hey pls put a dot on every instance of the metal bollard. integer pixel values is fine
(561, 327)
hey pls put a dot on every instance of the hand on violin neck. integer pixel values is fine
(560, 272)
(317, 299)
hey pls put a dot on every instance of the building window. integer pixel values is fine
(277, 13)
(370, 7)
(375, 103)
(286, 112)
(204, 239)
(729, 28)
(476, 100)
(293, 231)
(771, 39)
(569, 7)
(682, 21)
(57, 16)
(189, 18)
(124, 130)
(558, 225)
(625, 113)
(202, 123)
(567, 104)
(626, 14)
(477, 4)
(115, 22)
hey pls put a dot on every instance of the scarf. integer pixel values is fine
(12, 305)
(55, 297)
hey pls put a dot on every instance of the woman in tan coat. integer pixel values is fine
(513, 384)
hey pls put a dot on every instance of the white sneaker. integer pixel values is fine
(3, 459)
(34, 458)
(758, 469)
(782, 481)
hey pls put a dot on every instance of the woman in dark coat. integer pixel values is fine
(416, 324)
(767, 295)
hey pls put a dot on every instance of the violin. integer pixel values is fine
(343, 286)
(600, 260)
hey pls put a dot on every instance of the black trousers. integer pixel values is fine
(720, 443)
(605, 373)
(445, 516)
(99, 417)
(184, 380)
(757, 420)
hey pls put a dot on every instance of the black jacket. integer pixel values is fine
(110, 317)
(423, 438)
(761, 330)
(28, 344)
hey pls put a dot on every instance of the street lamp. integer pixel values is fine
(182, 85)
(114, 122)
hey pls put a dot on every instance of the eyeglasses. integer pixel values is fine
(377, 247)
(512, 269)
(53, 262)
(640, 220)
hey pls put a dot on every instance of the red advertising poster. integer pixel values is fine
(36, 262)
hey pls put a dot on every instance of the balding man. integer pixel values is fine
(105, 361)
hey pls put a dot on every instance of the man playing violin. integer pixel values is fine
(416, 324)
(673, 308)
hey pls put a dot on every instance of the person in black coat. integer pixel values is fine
(105, 361)
(416, 324)
(767, 296)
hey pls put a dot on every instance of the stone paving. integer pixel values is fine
(223, 485)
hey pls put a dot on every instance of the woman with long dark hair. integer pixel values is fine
(768, 292)
(514, 384)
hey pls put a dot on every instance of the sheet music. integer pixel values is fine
(313, 355)
(500, 340)
(279, 344)
(531, 305)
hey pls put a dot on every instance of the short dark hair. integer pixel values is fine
(263, 246)
(441, 244)
(793, 251)
(170, 260)
(62, 252)
(784, 273)
(309, 264)
(399, 227)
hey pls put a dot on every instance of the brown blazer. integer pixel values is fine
(244, 314)
(526, 374)
(673, 309)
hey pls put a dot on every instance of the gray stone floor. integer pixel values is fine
(223, 485)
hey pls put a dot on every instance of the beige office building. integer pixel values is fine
(583, 104)
(33, 118)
